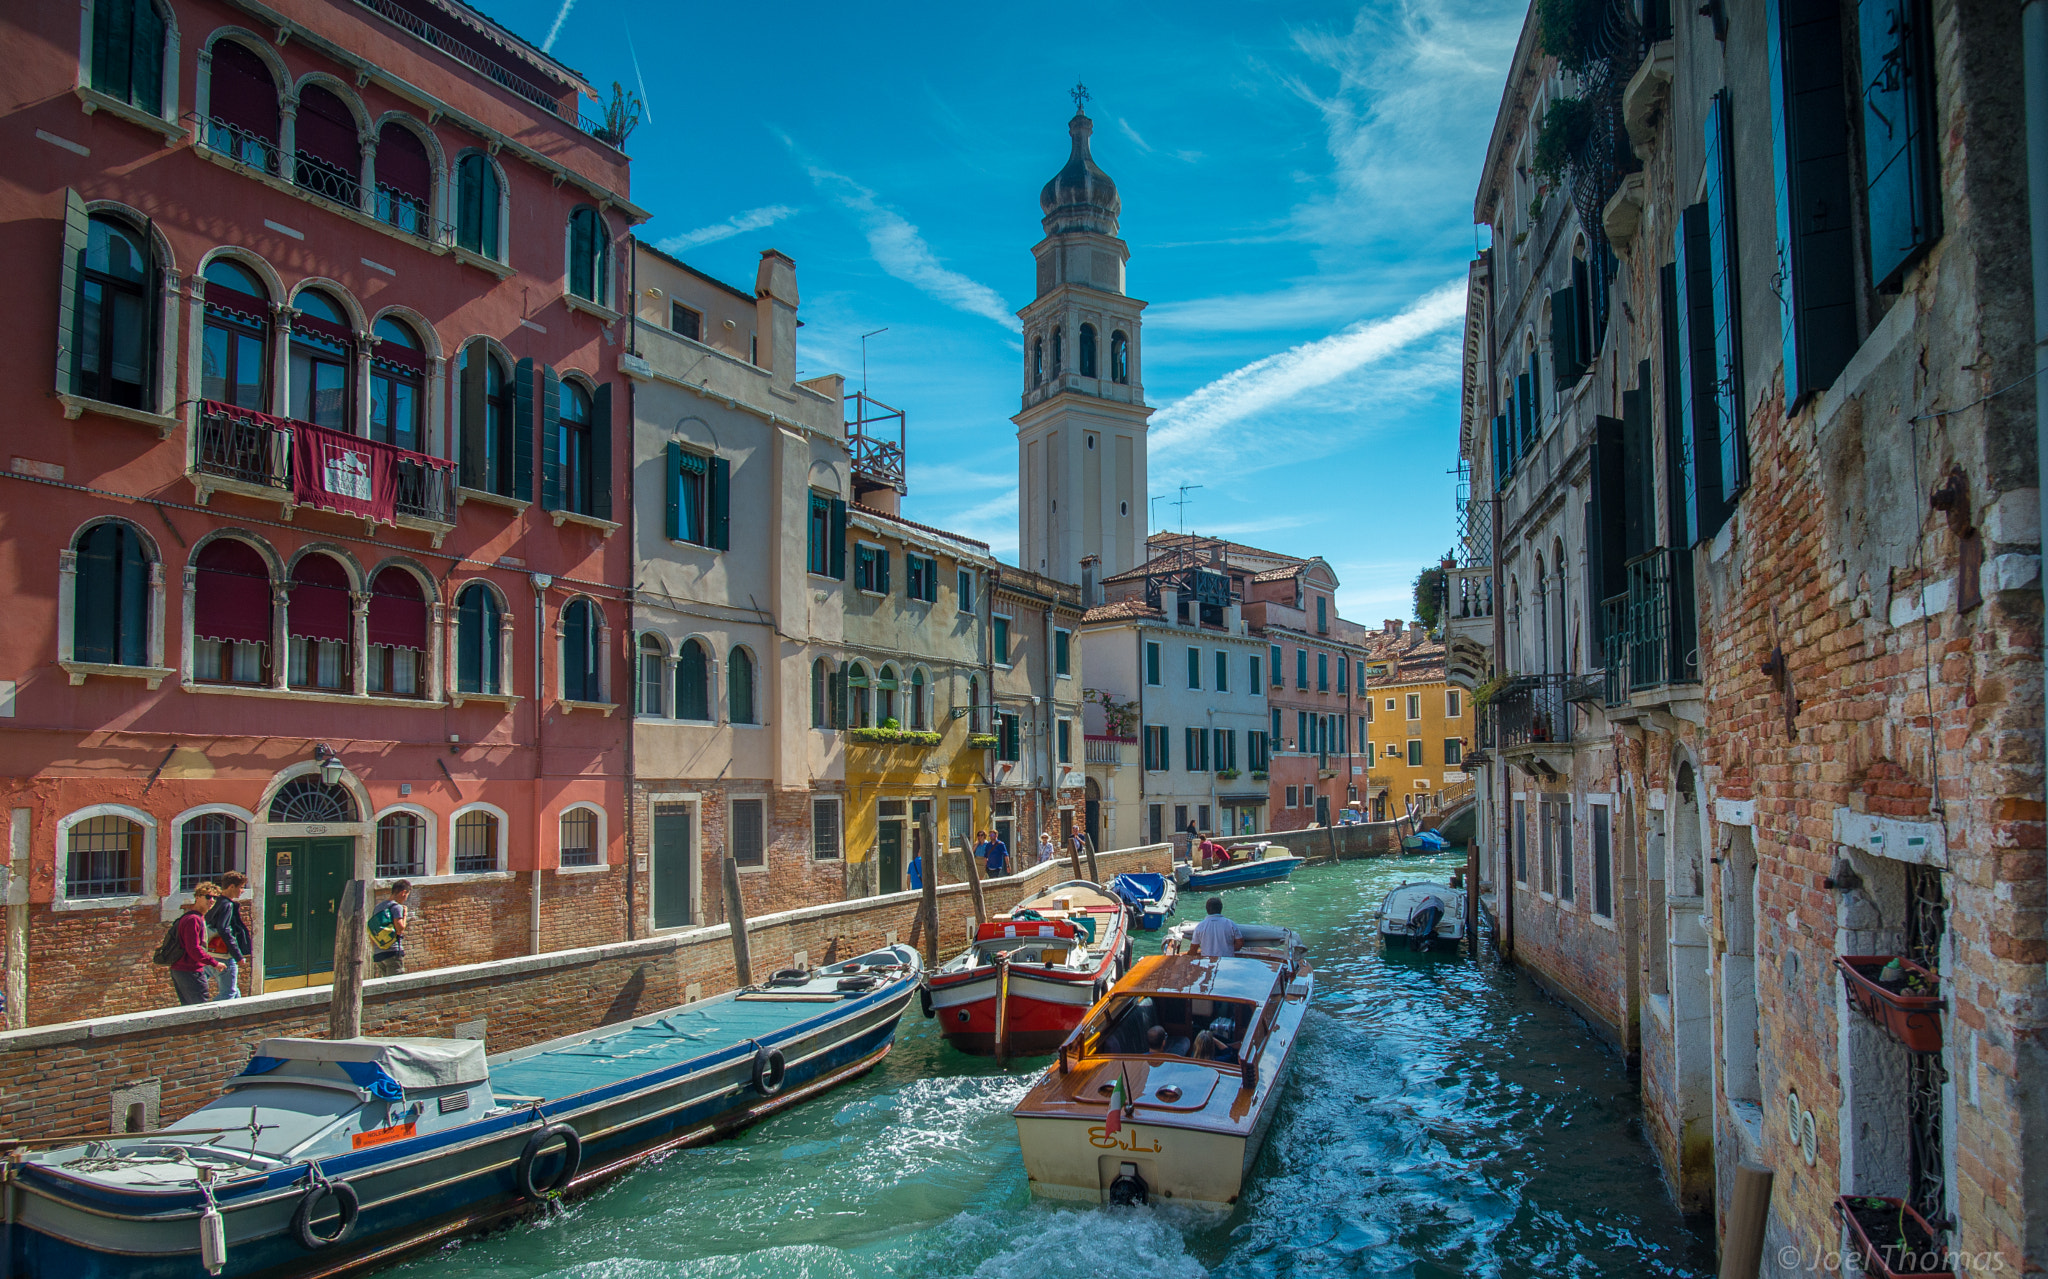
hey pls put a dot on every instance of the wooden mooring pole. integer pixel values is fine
(974, 886)
(1002, 1009)
(1471, 898)
(736, 919)
(1094, 876)
(928, 832)
(351, 951)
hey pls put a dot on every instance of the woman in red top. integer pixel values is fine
(188, 980)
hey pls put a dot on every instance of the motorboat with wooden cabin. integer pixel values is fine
(1167, 1089)
(1028, 977)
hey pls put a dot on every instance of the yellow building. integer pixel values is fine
(1417, 725)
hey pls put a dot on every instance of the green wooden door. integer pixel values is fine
(306, 878)
(671, 879)
(891, 869)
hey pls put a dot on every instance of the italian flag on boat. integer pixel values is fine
(1113, 1122)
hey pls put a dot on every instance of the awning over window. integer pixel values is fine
(398, 613)
(232, 601)
(242, 92)
(319, 608)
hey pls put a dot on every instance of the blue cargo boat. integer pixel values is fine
(325, 1157)
(1151, 897)
(1263, 863)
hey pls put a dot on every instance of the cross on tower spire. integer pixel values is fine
(1079, 93)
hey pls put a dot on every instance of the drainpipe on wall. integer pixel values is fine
(632, 643)
(541, 582)
(2034, 32)
(1048, 810)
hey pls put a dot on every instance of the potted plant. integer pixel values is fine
(1227, 774)
(1258, 776)
(1891, 1238)
(1897, 994)
(982, 742)
(892, 733)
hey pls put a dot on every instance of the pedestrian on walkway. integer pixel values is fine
(1047, 850)
(194, 961)
(227, 936)
(917, 869)
(387, 931)
(997, 855)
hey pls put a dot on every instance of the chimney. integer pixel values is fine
(775, 303)
(1393, 626)
(1215, 552)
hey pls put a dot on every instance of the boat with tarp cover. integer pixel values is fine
(1152, 898)
(1043, 965)
(325, 1157)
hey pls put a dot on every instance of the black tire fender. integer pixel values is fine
(346, 1202)
(769, 1070)
(572, 1159)
(924, 1001)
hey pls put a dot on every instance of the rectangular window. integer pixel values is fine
(1278, 680)
(1603, 861)
(1322, 615)
(1222, 672)
(1197, 746)
(1415, 752)
(1276, 725)
(1322, 672)
(825, 841)
(871, 569)
(1816, 281)
(749, 843)
(1361, 677)
(1365, 747)
(1062, 652)
(699, 498)
(1226, 749)
(1202, 816)
(1393, 750)
(1363, 730)
(1152, 665)
(1414, 706)
(1009, 738)
(1454, 751)
(1301, 737)
(1368, 710)
(1521, 834)
(818, 536)
(999, 641)
(1454, 703)
(1728, 390)
(914, 575)
(1254, 684)
(683, 320)
(1545, 821)
(1566, 865)
(1194, 668)
(964, 587)
(1301, 668)
(1066, 741)
(1157, 760)
(1342, 667)
(1294, 797)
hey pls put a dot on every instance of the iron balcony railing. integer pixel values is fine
(1649, 633)
(255, 448)
(238, 144)
(327, 180)
(410, 214)
(1533, 710)
(425, 492)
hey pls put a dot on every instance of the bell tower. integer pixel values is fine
(1081, 430)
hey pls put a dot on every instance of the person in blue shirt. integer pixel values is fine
(996, 854)
(917, 869)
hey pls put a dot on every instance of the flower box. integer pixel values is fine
(892, 737)
(1912, 1019)
(1227, 774)
(1910, 1246)
(982, 742)
(1258, 777)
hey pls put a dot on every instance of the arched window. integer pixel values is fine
(476, 842)
(320, 372)
(693, 681)
(885, 698)
(1119, 357)
(476, 204)
(739, 675)
(479, 640)
(579, 838)
(1037, 361)
(114, 315)
(1057, 363)
(916, 700)
(582, 633)
(328, 147)
(103, 858)
(319, 620)
(235, 359)
(401, 846)
(857, 696)
(1088, 350)
(974, 704)
(820, 694)
(398, 386)
(398, 633)
(405, 180)
(653, 681)
(231, 615)
(110, 601)
(309, 799)
(128, 53)
(242, 107)
(211, 845)
(489, 457)
(589, 255)
(574, 460)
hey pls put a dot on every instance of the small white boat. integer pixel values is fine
(1167, 1089)
(1426, 916)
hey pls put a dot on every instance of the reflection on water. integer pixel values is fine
(1443, 1119)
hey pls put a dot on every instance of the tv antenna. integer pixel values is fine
(864, 357)
(1185, 489)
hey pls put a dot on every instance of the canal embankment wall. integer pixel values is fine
(83, 1076)
(1333, 843)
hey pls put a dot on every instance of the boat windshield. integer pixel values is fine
(1176, 1026)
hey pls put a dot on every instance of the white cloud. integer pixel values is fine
(738, 224)
(1278, 379)
(1132, 134)
(899, 249)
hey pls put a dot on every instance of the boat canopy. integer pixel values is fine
(383, 1066)
(996, 929)
(1249, 979)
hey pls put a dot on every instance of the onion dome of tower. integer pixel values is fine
(1080, 197)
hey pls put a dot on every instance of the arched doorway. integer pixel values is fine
(313, 846)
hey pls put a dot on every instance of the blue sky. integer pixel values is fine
(1297, 189)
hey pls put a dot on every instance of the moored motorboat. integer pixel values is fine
(1424, 843)
(1152, 898)
(1258, 863)
(324, 1157)
(1167, 1089)
(1041, 967)
(1424, 916)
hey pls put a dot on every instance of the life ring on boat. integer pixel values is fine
(347, 1205)
(924, 1001)
(572, 1158)
(769, 1070)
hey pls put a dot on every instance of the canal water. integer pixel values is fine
(1443, 1118)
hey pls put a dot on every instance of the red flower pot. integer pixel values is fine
(1913, 1020)
(1909, 1245)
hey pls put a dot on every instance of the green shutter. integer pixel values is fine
(1901, 191)
(549, 413)
(1565, 365)
(474, 418)
(1705, 511)
(77, 232)
(882, 558)
(601, 453)
(672, 476)
(838, 522)
(1720, 172)
(523, 391)
(1816, 281)
(719, 484)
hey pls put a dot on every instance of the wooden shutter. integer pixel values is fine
(1672, 324)
(549, 413)
(523, 390)
(1901, 191)
(838, 519)
(473, 419)
(882, 558)
(601, 453)
(1567, 362)
(1720, 171)
(719, 532)
(1585, 338)
(1638, 491)
(672, 485)
(1701, 438)
(1810, 143)
(77, 232)
(1525, 395)
(836, 697)
(1606, 519)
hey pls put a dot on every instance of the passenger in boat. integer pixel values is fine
(1218, 1043)
(1217, 935)
(1159, 1039)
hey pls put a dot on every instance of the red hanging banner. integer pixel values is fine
(344, 473)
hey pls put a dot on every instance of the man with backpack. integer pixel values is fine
(387, 932)
(184, 951)
(228, 937)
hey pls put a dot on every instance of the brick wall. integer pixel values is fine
(59, 1077)
(793, 878)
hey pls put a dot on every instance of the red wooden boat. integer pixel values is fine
(1061, 951)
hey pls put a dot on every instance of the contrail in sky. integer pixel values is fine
(646, 112)
(548, 45)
